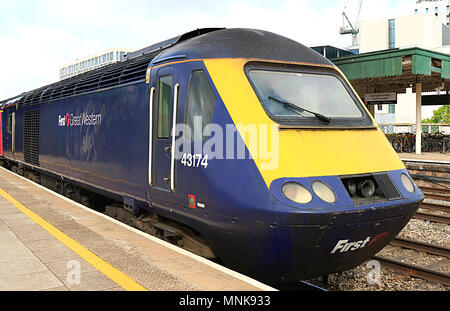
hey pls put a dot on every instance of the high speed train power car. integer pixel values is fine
(238, 144)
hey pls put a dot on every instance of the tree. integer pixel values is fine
(442, 115)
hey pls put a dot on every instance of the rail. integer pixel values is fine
(436, 194)
(414, 270)
(421, 247)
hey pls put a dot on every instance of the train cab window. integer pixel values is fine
(165, 103)
(200, 106)
(310, 97)
(320, 93)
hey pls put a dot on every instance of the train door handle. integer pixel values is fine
(167, 180)
(168, 150)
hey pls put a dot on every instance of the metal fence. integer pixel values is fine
(435, 137)
(401, 128)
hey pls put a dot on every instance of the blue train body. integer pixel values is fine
(100, 140)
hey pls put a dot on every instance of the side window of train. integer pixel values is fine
(165, 103)
(9, 124)
(200, 106)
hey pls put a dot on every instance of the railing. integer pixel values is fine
(429, 128)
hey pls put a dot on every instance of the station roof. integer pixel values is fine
(396, 70)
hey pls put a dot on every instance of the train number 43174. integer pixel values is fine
(194, 160)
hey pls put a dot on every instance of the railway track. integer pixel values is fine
(434, 181)
(423, 272)
(435, 207)
(427, 209)
(421, 247)
(431, 207)
(415, 270)
(444, 219)
(442, 194)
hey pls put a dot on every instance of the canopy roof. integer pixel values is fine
(396, 70)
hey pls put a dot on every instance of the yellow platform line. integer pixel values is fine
(114, 274)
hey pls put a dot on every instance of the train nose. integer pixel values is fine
(347, 241)
(351, 239)
(343, 222)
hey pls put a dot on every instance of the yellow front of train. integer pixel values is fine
(303, 150)
(337, 190)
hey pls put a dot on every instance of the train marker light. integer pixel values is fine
(297, 193)
(407, 183)
(324, 192)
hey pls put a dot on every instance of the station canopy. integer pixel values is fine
(395, 70)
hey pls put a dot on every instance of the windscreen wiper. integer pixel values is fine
(319, 116)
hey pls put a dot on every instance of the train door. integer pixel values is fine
(8, 137)
(197, 102)
(165, 100)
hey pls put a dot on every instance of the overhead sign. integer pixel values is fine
(381, 98)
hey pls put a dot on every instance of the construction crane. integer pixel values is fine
(353, 30)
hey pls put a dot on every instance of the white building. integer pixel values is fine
(421, 30)
(438, 8)
(417, 30)
(92, 62)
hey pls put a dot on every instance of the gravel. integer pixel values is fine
(358, 279)
(434, 233)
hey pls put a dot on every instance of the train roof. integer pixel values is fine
(198, 44)
(243, 43)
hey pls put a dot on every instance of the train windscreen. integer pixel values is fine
(314, 97)
(292, 94)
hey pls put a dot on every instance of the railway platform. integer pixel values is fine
(426, 157)
(50, 243)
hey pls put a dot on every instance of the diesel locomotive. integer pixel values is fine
(236, 144)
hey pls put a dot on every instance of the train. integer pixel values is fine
(239, 145)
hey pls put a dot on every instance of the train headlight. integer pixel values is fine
(352, 187)
(407, 183)
(366, 188)
(324, 192)
(297, 193)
